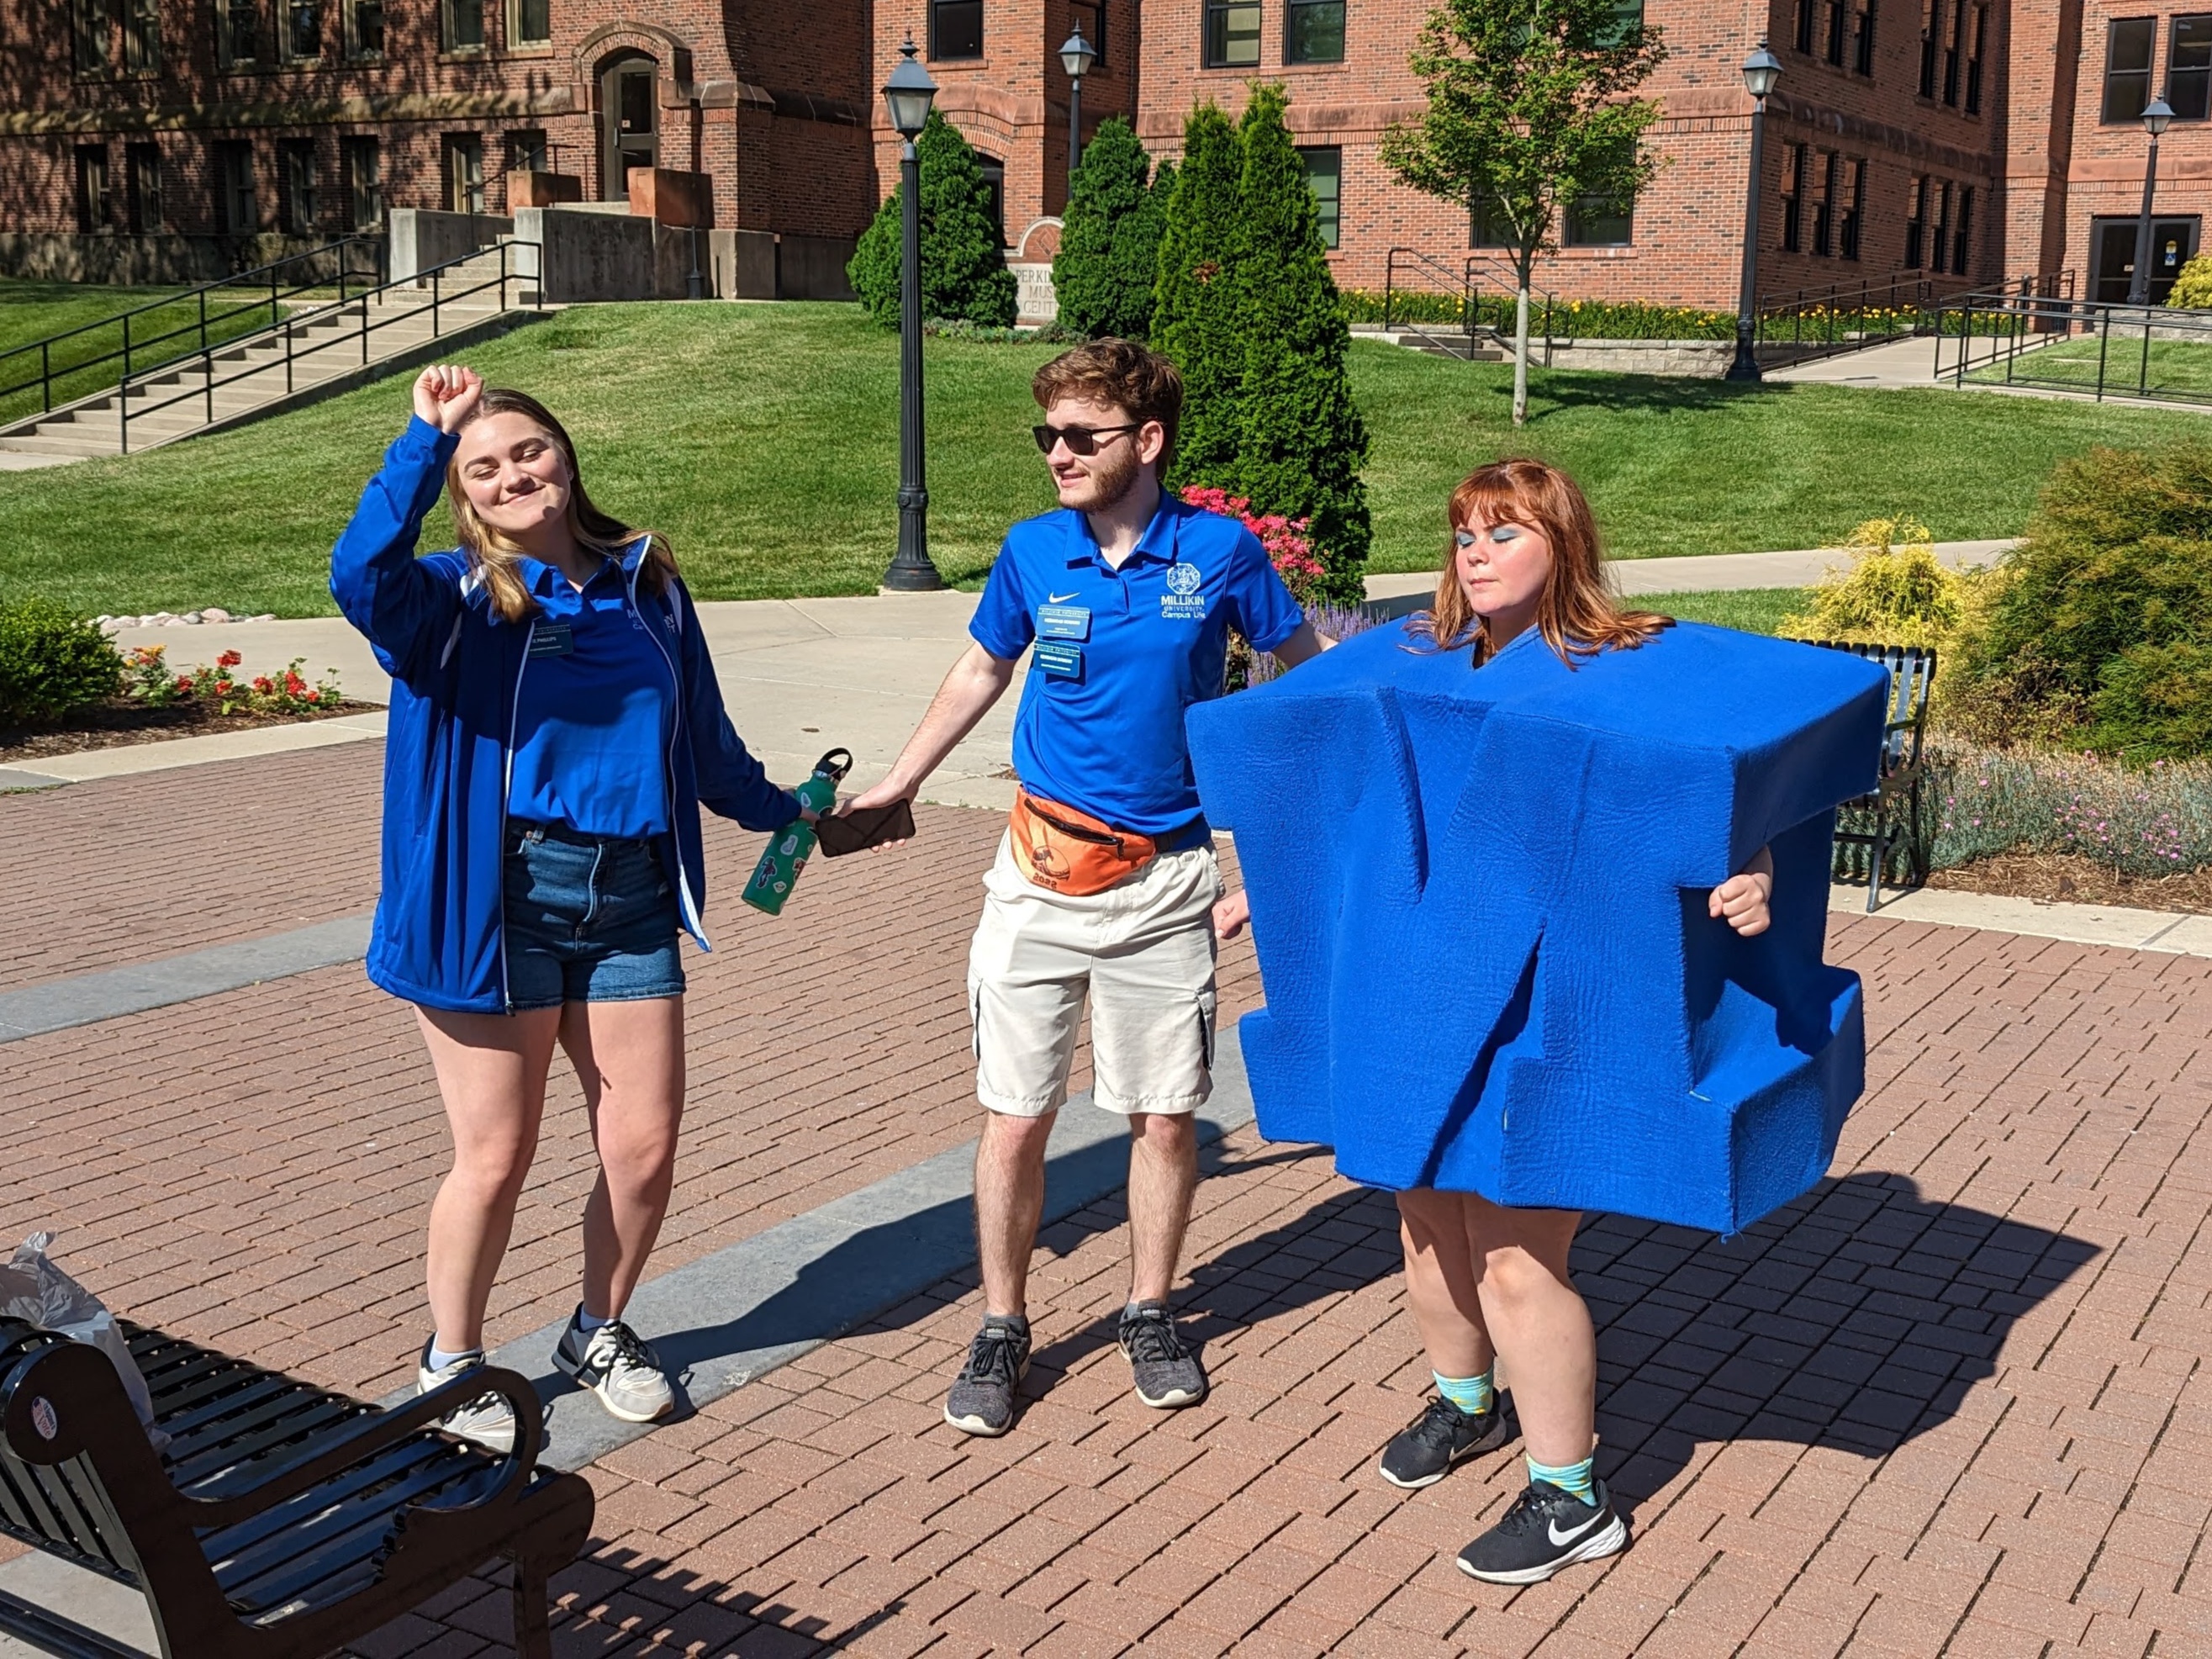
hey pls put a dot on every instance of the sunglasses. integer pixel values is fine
(1079, 440)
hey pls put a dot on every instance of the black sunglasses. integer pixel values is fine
(1079, 440)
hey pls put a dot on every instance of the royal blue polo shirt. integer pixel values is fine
(1122, 654)
(594, 710)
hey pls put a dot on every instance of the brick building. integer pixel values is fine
(1953, 139)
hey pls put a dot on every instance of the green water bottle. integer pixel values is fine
(790, 848)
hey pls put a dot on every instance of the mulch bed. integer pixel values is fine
(120, 720)
(2072, 878)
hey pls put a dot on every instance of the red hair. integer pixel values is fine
(1574, 613)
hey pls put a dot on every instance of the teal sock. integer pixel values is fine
(1568, 1477)
(1472, 1395)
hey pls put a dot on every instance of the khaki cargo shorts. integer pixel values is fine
(1142, 950)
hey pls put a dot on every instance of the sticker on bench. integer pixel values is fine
(1058, 657)
(43, 1418)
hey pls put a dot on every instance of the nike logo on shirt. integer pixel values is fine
(1062, 599)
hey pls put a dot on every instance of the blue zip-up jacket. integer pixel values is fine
(456, 668)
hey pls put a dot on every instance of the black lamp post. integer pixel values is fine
(908, 94)
(1076, 57)
(1760, 71)
(2155, 116)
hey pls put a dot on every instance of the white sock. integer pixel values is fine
(439, 1358)
(589, 1322)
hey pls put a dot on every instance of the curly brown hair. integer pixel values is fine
(1143, 383)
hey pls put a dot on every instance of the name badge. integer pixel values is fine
(1056, 657)
(1064, 622)
(552, 640)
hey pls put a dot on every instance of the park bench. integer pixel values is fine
(281, 1519)
(1891, 817)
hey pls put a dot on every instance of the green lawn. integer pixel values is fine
(30, 312)
(2173, 369)
(1754, 610)
(762, 441)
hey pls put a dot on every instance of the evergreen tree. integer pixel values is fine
(1102, 276)
(964, 271)
(1194, 308)
(1300, 439)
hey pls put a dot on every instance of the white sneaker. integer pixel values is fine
(488, 1421)
(616, 1365)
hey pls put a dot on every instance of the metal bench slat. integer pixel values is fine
(233, 1541)
(219, 1449)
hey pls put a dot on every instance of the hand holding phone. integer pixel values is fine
(859, 828)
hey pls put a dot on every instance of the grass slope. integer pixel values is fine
(762, 441)
(30, 312)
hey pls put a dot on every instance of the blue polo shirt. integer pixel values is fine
(594, 710)
(1122, 654)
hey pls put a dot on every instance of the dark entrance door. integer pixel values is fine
(628, 114)
(2112, 247)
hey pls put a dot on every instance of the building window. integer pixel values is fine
(1091, 15)
(956, 28)
(1915, 225)
(1862, 38)
(525, 152)
(92, 188)
(238, 32)
(1487, 226)
(2127, 66)
(143, 179)
(463, 24)
(364, 29)
(1854, 207)
(1325, 177)
(1793, 198)
(1595, 220)
(2189, 69)
(1802, 36)
(1823, 203)
(142, 36)
(1313, 32)
(994, 187)
(303, 30)
(364, 182)
(530, 23)
(1964, 236)
(234, 169)
(297, 175)
(1941, 239)
(1931, 23)
(1975, 31)
(1953, 44)
(1232, 35)
(464, 173)
(91, 27)
(1839, 16)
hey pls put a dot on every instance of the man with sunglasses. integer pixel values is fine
(1105, 885)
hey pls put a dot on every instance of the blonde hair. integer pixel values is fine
(495, 559)
(1576, 615)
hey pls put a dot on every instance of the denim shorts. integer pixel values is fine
(587, 920)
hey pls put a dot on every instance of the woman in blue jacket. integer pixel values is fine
(555, 727)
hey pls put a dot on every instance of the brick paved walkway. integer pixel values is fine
(1955, 1403)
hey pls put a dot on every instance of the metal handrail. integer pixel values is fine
(290, 327)
(2014, 328)
(278, 292)
(1464, 282)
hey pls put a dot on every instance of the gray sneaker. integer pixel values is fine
(1167, 1374)
(982, 1397)
(615, 1364)
(487, 1421)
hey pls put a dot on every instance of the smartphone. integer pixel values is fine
(855, 832)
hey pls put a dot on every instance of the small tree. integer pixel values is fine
(1110, 251)
(1196, 305)
(1529, 115)
(1300, 440)
(963, 272)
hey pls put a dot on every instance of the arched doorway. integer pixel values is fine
(629, 120)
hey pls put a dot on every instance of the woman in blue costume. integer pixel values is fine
(1485, 1280)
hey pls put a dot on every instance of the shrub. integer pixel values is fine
(2150, 820)
(1194, 314)
(2097, 621)
(1109, 249)
(964, 271)
(2192, 288)
(1895, 592)
(51, 663)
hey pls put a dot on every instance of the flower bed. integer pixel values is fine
(157, 702)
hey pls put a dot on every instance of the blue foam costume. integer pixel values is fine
(1479, 897)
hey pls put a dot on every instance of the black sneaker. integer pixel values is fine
(1424, 1453)
(1545, 1529)
(982, 1397)
(1167, 1374)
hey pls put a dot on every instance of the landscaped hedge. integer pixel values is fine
(51, 663)
(1565, 319)
(2145, 821)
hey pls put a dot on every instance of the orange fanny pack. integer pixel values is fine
(1066, 851)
